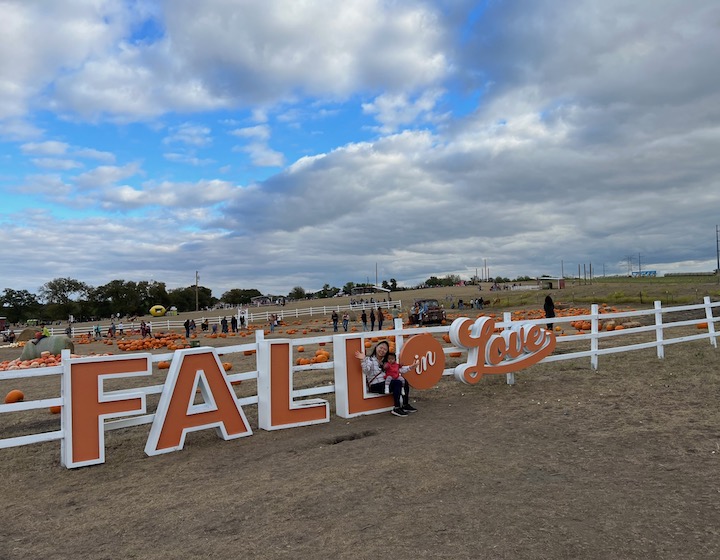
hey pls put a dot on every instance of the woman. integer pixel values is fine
(549, 307)
(373, 370)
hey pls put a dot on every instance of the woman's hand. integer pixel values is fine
(360, 355)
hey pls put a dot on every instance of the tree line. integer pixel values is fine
(60, 298)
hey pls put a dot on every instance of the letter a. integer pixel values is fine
(193, 369)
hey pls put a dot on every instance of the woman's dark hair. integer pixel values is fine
(385, 342)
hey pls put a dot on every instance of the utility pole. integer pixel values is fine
(197, 298)
(639, 266)
(717, 251)
(562, 269)
(629, 263)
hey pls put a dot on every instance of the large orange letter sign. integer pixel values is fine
(276, 407)
(429, 352)
(351, 395)
(87, 405)
(516, 348)
(177, 414)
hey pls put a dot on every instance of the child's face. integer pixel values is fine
(391, 359)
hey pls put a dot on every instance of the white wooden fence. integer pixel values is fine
(659, 335)
(176, 323)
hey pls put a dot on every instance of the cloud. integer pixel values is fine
(189, 134)
(55, 163)
(208, 58)
(48, 148)
(260, 153)
(530, 137)
(396, 110)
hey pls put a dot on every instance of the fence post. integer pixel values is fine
(710, 319)
(399, 339)
(594, 310)
(659, 335)
(507, 319)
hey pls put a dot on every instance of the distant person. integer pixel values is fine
(549, 307)
(372, 319)
(335, 318)
(363, 318)
(186, 324)
(346, 321)
(234, 324)
(380, 319)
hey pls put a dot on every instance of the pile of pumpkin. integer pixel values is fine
(321, 356)
(46, 359)
(171, 341)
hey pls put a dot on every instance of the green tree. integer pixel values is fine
(19, 305)
(297, 293)
(184, 298)
(61, 290)
(347, 288)
(237, 296)
(58, 295)
(327, 291)
(433, 282)
(393, 284)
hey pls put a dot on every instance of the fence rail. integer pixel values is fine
(658, 334)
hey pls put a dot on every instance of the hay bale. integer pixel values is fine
(27, 334)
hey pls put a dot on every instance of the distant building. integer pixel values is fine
(644, 274)
(360, 290)
(549, 283)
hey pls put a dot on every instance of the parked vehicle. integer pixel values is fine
(426, 311)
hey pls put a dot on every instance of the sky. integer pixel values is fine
(281, 143)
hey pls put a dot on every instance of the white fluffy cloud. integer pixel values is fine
(527, 136)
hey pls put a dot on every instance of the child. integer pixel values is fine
(394, 370)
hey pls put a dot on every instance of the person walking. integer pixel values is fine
(549, 308)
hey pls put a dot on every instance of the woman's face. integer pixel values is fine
(380, 350)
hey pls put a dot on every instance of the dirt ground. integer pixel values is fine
(569, 463)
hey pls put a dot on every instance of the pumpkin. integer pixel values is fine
(227, 366)
(301, 349)
(55, 409)
(164, 365)
(455, 354)
(702, 325)
(16, 395)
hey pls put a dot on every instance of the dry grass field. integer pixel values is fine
(568, 463)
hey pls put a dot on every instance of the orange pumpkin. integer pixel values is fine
(55, 409)
(164, 365)
(301, 349)
(227, 366)
(16, 395)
